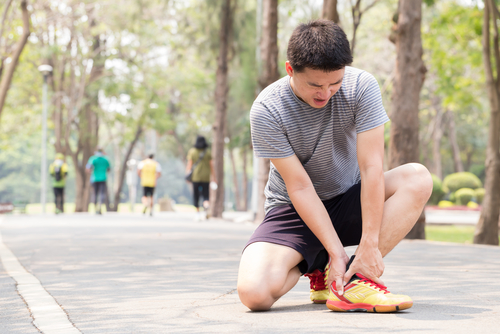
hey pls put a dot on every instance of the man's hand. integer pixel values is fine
(337, 266)
(368, 262)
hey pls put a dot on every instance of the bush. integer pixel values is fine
(464, 195)
(456, 181)
(437, 190)
(479, 192)
(445, 204)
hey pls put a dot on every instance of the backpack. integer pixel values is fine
(57, 172)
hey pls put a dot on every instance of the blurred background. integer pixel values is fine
(147, 76)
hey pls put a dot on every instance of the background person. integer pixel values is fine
(99, 165)
(199, 159)
(59, 171)
(149, 171)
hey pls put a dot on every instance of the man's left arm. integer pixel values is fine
(370, 154)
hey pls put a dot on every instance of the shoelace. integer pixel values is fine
(368, 281)
(317, 280)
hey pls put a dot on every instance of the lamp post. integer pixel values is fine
(45, 69)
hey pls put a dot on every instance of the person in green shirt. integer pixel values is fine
(99, 165)
(59, 171)
(199, 161)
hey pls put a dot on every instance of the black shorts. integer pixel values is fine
(283, 226)
(148, 191)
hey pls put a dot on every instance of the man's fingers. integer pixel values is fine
(340, 285)
(377, 280)
(348, 275)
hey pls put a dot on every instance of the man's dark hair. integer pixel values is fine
(151, 156)
(200, 143)
(319, 45)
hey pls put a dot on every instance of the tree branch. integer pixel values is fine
(9, 71)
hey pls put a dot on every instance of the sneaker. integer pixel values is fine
(362, 294)
(319, 291)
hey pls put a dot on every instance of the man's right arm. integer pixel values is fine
(312, 211)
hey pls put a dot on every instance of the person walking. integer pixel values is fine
(59, 171)
(322, 127)
(99, 166)
(201, 170)
(149, 171)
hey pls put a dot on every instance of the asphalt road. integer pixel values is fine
(169, 274)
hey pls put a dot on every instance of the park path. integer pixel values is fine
(169, 274)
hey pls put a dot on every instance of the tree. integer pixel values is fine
(357, 12)
(408, 80)
(487, 227)
(330, 11)
(270, 73)
(12, 52)
(221, 90)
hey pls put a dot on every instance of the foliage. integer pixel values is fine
(445, 204)
(464, 196)
(479, 195)
(455, 181)
(437, 190)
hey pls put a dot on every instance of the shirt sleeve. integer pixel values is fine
(158, 168)
(140, 165)
(269, 139)
(369, 110)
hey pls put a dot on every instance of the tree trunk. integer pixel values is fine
(452, 136)
(437, 135)
(6, 76)
(219, 127)
(236, 187)
(270, 73)
(408, 80)
(123, 168)
(244, 204)
(487, 227)
(330, 11)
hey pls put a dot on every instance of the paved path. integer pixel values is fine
(169, 274)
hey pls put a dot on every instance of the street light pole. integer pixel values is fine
(45, 69)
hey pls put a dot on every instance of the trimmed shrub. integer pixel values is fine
(456, 181)
(464, 195)
(445, 204)
(479, 192)
(437, 190)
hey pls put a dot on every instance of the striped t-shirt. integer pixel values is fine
(324, 140)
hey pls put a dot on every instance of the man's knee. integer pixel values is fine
(420, 182)
(254, 297)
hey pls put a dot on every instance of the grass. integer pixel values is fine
(450, 233)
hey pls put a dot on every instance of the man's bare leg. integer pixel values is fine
(267, 271)
(407, 189)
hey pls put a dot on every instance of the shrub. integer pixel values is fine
(464, 195)
(479, 192)
(456, 181)
(437, 190)
(445, 204)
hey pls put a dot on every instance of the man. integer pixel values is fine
(149, 171)
(99, 165)
(322, 126)
(59, 171)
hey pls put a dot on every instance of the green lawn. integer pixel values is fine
(450, 233)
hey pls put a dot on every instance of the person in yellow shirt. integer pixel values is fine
(149, 171)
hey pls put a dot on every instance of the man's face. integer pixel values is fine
(315, 87)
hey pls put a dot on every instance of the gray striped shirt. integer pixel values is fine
(324, 140)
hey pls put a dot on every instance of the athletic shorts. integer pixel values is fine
(148, 191)
(283, 226)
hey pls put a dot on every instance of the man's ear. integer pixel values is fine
(289, 68)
